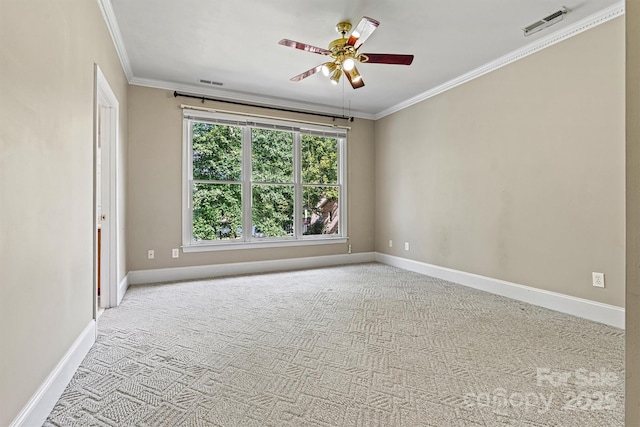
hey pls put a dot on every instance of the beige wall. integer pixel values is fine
(155, 186)
(47, 53)
(517, 175)
(632, 395)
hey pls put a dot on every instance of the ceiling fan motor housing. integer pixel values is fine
(343, 28)
(340, 50)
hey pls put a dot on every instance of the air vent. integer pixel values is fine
(546, 22)
(532, 27)
(209, 82)
(553, 16)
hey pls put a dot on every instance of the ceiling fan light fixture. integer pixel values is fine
(335, 78)
(328, 68)
(348, 64)
(355, 75)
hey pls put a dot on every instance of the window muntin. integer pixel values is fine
(265, 182)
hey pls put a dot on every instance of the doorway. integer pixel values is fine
(105, 196)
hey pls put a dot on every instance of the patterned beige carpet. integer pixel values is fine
(362, 345)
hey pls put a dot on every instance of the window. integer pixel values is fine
(256, 183)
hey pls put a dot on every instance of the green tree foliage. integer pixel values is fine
(319, 166)
(217, 160)
(217, 211)
(271, 156)
(272, 210)
(272, 162)
(217, 156)
(217, 152)
(319, 160)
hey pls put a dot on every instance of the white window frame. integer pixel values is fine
(248, 241)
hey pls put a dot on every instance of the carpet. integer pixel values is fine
(359, 345)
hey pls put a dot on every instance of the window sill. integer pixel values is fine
(210, 247)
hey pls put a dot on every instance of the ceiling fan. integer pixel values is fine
(344, 53)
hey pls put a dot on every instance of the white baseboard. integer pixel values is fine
(205, 271)
(42, 402)
(587, 309)
(122, 289)
(592, 310)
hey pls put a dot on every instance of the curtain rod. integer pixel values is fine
(205, 98)
(260, 116)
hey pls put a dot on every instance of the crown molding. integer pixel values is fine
(572, 30)
(592, 21)
(112, 24)
(256, 100)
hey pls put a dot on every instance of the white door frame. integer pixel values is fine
(106, 130)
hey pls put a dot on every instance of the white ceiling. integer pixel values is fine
(173, 44)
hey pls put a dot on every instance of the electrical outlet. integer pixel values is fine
(349, 251)
(151, 254)
(406, 246)
(175, 253)
(598, 279)
(390, 243)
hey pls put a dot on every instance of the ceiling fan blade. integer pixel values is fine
(306, 74)
(354, 78)
(361, 33)
(385, 58)
(304, 46)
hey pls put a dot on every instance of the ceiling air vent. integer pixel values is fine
(209, 82)
(546, 22)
